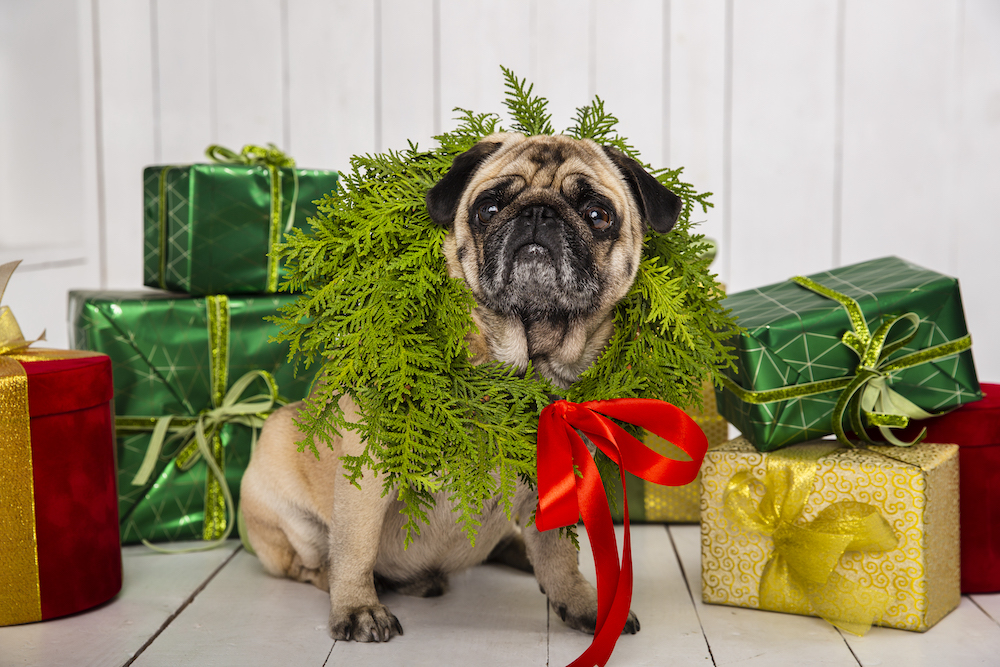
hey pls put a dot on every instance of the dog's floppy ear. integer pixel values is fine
(659, 206)
(442, 200)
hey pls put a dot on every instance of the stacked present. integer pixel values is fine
(195, 374)
(852, 531)
(59, 551)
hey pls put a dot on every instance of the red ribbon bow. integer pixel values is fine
(563, 497)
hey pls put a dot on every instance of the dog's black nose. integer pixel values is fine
(536, 215)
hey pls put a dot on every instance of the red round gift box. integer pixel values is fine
(75, 494)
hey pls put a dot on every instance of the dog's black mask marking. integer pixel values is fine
(442, 199)
(660, 207)
(537, 260)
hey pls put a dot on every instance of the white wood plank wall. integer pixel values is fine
(831, 131)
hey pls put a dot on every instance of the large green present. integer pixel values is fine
(182, 363)
(210, 228)
(872, 345)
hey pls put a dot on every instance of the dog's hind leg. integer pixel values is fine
(290, 546)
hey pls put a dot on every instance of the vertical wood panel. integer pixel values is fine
(695, 118)
(632, 79)
(477, 37)
(184, 65)
(42, 129)
(48, 176)
(408, 78)
(248, 72)
(973, 218)
(560, 51)
(332, 81)
(127, 133)
(783, 123)
(898, 68)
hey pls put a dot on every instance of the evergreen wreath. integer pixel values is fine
(378, 308)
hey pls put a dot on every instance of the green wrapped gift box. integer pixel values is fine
(174, 356)
(209, 228)
(871, 345)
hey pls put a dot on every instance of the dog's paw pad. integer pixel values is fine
(365, 624)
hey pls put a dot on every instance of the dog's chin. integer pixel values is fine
(535, 288)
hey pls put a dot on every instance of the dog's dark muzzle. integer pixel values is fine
(537, 233)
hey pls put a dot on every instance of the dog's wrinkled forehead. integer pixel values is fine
(554, 163)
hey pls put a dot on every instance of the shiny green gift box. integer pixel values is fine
(177, 356)
(209, 228)
(870, 345)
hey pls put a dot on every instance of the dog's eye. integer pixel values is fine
(486, 212)
(597, 217)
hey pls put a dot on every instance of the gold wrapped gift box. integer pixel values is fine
(680, 504)
(856, 536)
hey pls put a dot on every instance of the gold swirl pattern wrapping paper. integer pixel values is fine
(914, 489)
(680, 504)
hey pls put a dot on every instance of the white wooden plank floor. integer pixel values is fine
(220, 608)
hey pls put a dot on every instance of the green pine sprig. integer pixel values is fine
(380, 314)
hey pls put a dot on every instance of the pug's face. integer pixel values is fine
(548, 226)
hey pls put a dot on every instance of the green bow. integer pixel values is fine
(867, 391)
(194, 434)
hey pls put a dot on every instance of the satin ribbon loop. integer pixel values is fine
(800, 575)
(12, 340)
(250, 412)
(251, 154)
(570, 486)
(869, 393)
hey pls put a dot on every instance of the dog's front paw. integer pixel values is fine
(583, 617)
(373, 623)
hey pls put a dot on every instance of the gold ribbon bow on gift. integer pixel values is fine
(800, 576)
(867, 391)
(11, 338)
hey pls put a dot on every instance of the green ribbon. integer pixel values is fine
(799, 577)
(274, 159)
(867, 390)
(195, 432)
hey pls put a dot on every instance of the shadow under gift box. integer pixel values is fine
(59, 547)
(166, 362)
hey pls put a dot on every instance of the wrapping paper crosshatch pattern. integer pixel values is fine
(208, 227)
(914, 489)
(165, 362)
(794, 336)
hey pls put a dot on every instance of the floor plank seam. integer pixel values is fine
(184, 605)
(327, 661)
(680, 564)
(982, 609)
(548, 632)
(849, 648)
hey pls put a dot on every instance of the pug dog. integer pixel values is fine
(547, 232)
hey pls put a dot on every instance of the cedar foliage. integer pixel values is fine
(380, 313)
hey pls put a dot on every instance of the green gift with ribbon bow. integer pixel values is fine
(855, 536)
(194, 379)
(867, 346)
(210, 228)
